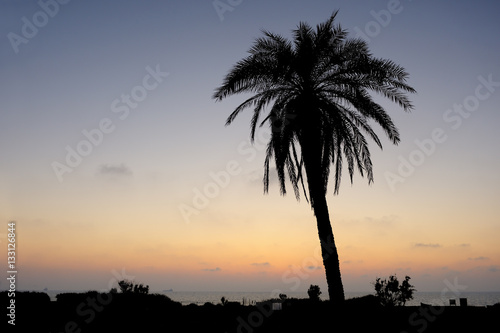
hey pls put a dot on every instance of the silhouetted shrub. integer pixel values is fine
(129, 287)
(74, 298)
(26, 298)
(314, 292)
(126, 286)
(391, 293)
(141, 289)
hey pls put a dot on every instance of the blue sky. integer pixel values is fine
(124, 199)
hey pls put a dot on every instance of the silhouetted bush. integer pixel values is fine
(391, 293)
(135, 312)
(31, 298)
(74, 298)
(314, 292)
(129, 287)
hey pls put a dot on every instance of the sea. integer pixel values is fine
(249, 298)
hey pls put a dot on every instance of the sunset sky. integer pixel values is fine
(115, 158)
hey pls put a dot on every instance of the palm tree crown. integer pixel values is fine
(317, 89)
(321, 79)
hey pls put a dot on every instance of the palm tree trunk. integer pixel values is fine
(329, 251)
(311, 144)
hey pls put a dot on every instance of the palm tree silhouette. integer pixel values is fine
(318, 88)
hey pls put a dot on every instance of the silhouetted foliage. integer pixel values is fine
(98, 312)
(314, 292)
(283, 296)
(141, 289)
(126, 286)
(318, 89)
(129, 287)
(390, 292)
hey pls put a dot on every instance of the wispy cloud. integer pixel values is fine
(314, 267)
(494, 269)
(261, 264)
(479, 258)
(384, 221)
(464, 245)
(114, 169)
(431, 245)
(352, 261)
(216, 269)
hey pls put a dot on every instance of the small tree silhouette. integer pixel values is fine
(125, 286)
(391, 293)
(129, 287)
(141, 289)
(314, 293)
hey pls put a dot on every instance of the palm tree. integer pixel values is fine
(317, 87)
